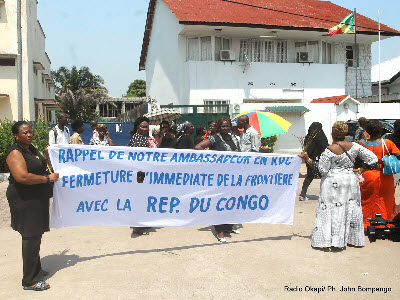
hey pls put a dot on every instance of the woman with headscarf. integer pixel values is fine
(377, 191)
(184, 133)
(140, 138)
(339, 219)
(315, 143)
(223, 140)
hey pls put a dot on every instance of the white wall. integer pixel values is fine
(390, 111)
(165, 57)
(33, 42)
(219, 80)
(363, 71)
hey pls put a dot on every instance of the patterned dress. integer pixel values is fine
(339, 219)
(96, 141)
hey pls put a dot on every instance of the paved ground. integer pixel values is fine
(99, 262)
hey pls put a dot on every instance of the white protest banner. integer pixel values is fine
(161, 187)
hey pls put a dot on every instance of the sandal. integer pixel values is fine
(40, 286)
(45, 273)
(222, 240)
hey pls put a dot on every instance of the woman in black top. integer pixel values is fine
(165, 137)
(200, 132)
(184, 140)
(28, 196)
(223, 140)
(316, 143)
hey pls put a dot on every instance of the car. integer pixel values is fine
(387, 126)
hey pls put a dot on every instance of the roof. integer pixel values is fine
(284, 13)
(335, 99)
(308, 15)
(390, 70)
(282, 108)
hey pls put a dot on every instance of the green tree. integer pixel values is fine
(78, 92)
(81, 104)
(137, 88)
(75, 79)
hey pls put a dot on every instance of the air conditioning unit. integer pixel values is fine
(302, 57)
(227, 55)
(350, 63)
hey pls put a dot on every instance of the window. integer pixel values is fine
(205, 47)
(193, 49)
(326, 53)
(199, 48)
(269, 53)
(221, 44)
(7, 61)
(351, 56)
(244, 54)
(220, 109)
(309, 47)
(257, 50)
(110, 109)
(281, 51)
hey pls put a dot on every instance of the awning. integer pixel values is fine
(282, 108)
(4, 96)
(38, 65)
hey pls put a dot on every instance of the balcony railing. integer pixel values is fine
(384, 98)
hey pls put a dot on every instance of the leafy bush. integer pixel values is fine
(40, 138)
(6, 140)
(267, 144)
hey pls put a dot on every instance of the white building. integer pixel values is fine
(274, 54)
(38, 87)
(388, 73)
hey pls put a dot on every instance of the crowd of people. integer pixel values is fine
(31, 176)
(345, 202)
(353, 186)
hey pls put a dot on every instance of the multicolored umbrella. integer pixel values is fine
(265, 122)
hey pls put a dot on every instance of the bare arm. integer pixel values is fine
(203, 145)
(17, 165)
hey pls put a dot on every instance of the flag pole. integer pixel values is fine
(355, 48)
(379, 51)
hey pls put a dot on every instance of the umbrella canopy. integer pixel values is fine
(265, 122)
(161, 114)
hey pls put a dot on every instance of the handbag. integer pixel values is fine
(391, 165)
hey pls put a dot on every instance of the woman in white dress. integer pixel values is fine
(339, 219)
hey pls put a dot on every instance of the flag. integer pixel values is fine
(345, 26)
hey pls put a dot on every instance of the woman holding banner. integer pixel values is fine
(140, 138)
(28, 195)
(223, 140)
(339, 219)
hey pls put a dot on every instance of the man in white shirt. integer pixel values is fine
(59, 134)
(250, 140)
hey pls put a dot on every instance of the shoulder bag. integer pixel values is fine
(391, 165)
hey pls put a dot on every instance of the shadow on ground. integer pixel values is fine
(56, 262)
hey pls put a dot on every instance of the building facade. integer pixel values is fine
(273, 54)
(37, 84)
